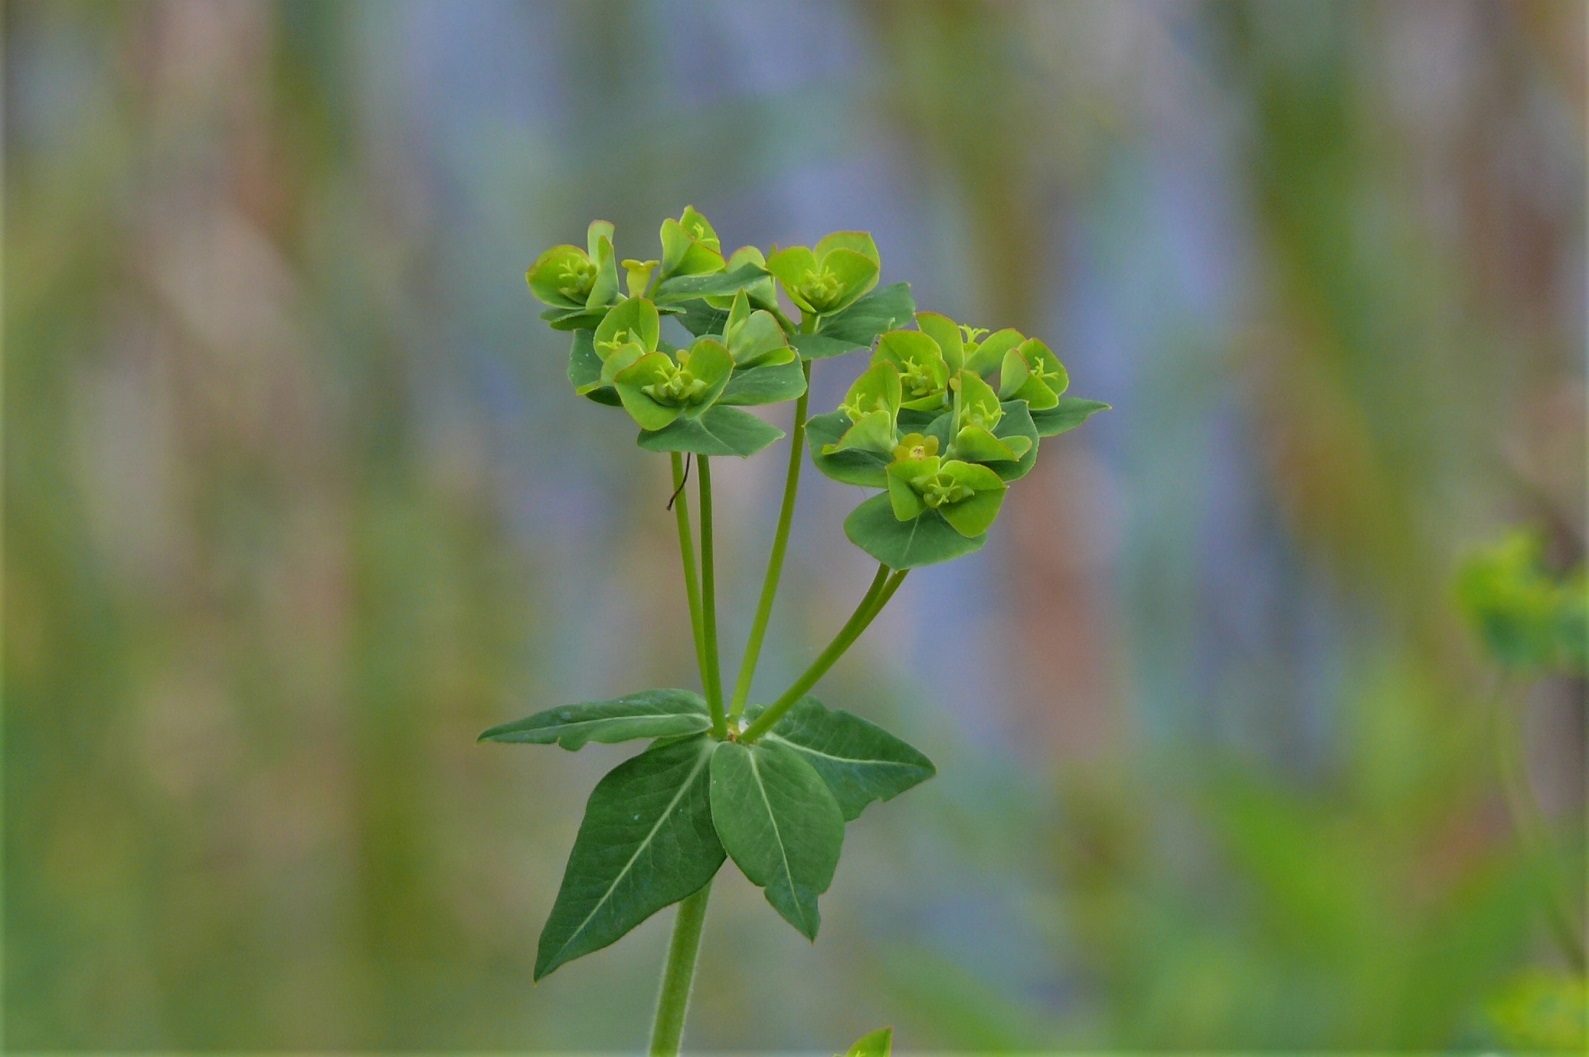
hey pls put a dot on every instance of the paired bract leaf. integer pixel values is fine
(719, 431)
(647, 714)
(779, 823)
(879, 1043)
(926, 540)
(821, 346)
(879, 311)
(857, 466)
(771, 384)
(647, 841)
(685, 287)
(690, 246)
(860, 761)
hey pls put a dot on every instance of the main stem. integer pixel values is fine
(877, 595)
(780, 544)
(712, 675)
(692, 585)
(678, 974)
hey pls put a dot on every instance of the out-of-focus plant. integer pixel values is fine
(1533, 623)
(941, 421)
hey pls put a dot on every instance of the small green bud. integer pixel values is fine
(639, 275)
(1032, 373)
(923, 374)
(842, 268)
(690, 246)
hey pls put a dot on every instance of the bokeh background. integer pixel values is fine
(297, 501)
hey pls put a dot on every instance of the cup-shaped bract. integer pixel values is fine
(872, 406)
(753, 336)
(690, 246)
(630, 329)
(762, 293)
(923, 373)
(986, 355)
(656, 389)
(568, 277)
(964, 494)
(1031, 372)
(978, 413)
(841, 269)
(947, 333)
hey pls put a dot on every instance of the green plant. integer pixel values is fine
(941, 421)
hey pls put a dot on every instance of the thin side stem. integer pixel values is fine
(712, 674)
(692, 585)
(877, 595)
(678, 975)
(780, 544)
(1528, 821)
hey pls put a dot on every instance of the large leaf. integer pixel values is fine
(765, 385)
(688, 287)
(882, 309)
(780, 824)
(924, 540)
(647, 841)
(850, 465)
(584, 370)
(860, 761)
(720, 431)
(648, 714)
(821, 346)
(1071, 412)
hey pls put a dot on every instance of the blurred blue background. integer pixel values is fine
(297, 501)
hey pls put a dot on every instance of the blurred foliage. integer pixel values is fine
(1529, 619)
(287, 519)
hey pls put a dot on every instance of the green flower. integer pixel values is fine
(628, 331)
(923, 372)
(872, 405)
(754, 337)
(977, 413)
(830, 278)
(568, 277)
(964, 494)
(762, 293)
(1032, 373)
(690, 246)
(656, 389)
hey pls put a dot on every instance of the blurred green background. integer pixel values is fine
(297, 502)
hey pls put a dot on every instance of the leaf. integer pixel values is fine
(850, 465)
(1016, 422)
(584, 366)
(647, 841)
(883, 309)
(719, 431)
(926, 540)
(860, 761)
(765, 385)
(647, 714)
(1071, 412)
(574, 318)
(821, 346)
(780, 825)
(689, 287)
(879, 1043)
(699, 318)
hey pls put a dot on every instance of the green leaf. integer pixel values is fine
(574, 318)
(647, 841)
(562, 277)
(821, 346)
(584, 366)
(648, 371)
(765, 385)
(700, 319)
(634, 319)
(989, 353)
(688, 287)
(720, 431)
(1016, 422)
(780, 824)
(926, 540)
(859, 241)
(946, 332)
(647, 714)
(849, 465)
(883, 309)
(879, 1043)
(860, 761)
(1071, 412)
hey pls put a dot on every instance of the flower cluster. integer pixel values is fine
(945, 416)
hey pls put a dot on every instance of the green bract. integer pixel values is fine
(941, 419)
(831, 277)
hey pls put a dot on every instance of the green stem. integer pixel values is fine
(1528, 821)
(780, 544)
(877, 595)
(711, 675)
(678, 975)
(692, 586)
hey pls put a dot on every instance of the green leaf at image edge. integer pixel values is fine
(1071, 412)
(860, 761)
(780, 824)
(647, 714)
(926, 540)
(879, 1043)
(719, 431)
(646, 842)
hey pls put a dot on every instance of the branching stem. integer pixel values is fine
(711, 674)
